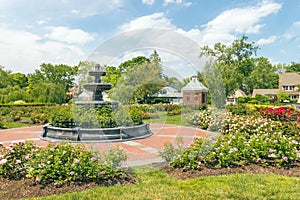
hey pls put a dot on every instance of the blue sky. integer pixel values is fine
(68, 31)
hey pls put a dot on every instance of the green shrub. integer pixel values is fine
(192, 157)
(202, 119)
(246, 140)
(171, 152)
(113, 157)
(66, 162)
(136, 115)
(14, 158)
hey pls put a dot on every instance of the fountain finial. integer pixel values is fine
(97, 67)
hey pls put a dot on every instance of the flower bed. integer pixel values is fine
(58, 164)
(245, 140)
(285, 113)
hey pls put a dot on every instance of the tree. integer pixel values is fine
(282, 96)
(173, 81)
(3, 77)
(263, 76)
(18, 79)
(50, 83)
(58, 74)
(239, 68)
(293, 67)
(139, 83)
(154, 58)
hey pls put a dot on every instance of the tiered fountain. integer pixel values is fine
(96, 134)
(97, 88)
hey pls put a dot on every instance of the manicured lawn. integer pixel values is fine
(15, 124)
(165, 119)
(155, 184)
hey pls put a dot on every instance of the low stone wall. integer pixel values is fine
(78, 134)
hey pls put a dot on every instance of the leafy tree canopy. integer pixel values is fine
(239, 68)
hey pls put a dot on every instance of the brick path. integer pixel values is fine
(139, 152)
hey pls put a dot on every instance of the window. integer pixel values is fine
(187, 98)
(288, 88)
(195, 98)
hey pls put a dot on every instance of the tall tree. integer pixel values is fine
(52, 81)
(4, 80)
(18, 79)
(238, 66)
(139, 83)
(293, 67)
(154, 58)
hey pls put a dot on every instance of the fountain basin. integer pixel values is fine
(78, 134)
(97, 86)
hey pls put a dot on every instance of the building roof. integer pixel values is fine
(194, 86)
(265, 92)
(168, 92)
(289, 78)
(238, 93)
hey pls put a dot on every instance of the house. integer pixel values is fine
(233, 98)
(289, 83)
(194, 93)
(170, 94)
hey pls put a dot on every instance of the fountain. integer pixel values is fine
(97, 87)
(96, 134)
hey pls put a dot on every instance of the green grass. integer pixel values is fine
(175, 119)
(155, 184)
(15, 124)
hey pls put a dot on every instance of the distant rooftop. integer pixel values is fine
(194, 86)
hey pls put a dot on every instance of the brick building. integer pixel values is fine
(194, 93)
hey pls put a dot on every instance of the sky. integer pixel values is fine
(33, 32)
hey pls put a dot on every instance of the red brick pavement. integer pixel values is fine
(138, 151)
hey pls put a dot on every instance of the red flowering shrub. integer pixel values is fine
(285, 113)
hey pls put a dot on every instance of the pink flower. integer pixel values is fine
(56, 184)
(37, 180)
(76, 160)
(101, 173)
(258, 160)
(271, 151)
(72, 173)
(93, 159)
(285, 158)
(3, 161)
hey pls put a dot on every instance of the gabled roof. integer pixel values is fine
(237, 93)
(194, 86)
(289, 78)
(265, 92)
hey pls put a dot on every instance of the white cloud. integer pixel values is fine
(268, 40)
(187, 4)
(70, 36)
(59, 8)
(296, 23)
(156, 20)
(223, 28)
(41, 22)
(75, 11)
(243, 20)
(148, 2)
(23, 51)
(166, 2)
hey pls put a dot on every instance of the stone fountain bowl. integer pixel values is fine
(95, 73)
(97, 86)
(77, 134)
